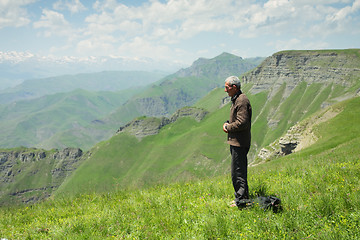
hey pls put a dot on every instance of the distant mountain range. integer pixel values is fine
(95, 82)
(15, 67)
(139, 94)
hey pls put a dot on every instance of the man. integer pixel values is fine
(239, 137)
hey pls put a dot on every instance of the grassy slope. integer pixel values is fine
(303, 101)
(187, 144)
(318, 187)
(181, 151)
(31, 122)
(171, 155)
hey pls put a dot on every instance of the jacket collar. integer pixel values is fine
(233, 98)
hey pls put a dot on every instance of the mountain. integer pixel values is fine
(291, 85)
(100, 81)
(36, 122)
(182, 88)
(285, 89)
(30, 175)
(70, 125)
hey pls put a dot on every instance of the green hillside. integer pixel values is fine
(188, 149)
(31, 123)
(318, 187)
(183, 150)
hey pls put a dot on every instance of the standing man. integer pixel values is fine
(239, 137)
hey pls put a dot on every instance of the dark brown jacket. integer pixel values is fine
(239, 128)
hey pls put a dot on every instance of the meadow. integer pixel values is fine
(318, 187)
(319, 193)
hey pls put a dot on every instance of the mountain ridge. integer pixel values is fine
(182, 88)
(99, 81)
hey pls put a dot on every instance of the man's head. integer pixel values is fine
(232, 85)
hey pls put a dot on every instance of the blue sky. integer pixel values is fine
(178, 31)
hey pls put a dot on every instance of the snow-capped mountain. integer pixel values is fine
(18, 66)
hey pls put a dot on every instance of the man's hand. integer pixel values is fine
(224, 127)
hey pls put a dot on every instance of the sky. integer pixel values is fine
(176, 31)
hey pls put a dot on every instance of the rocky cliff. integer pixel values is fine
(298, 137)
(292, 85)
(145, 126)
(29, 175)
(294, 67)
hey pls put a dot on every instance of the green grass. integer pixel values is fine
(171, 155)
(33, 122)
(260, 125)
(320, 196)
(318, 187)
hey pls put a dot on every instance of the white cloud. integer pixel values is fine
(105, 5)
(345, 12)
(14, 13)
(156, 28)
(301, 19)
(166, 29)
(140, 47)
(74, 6)
(54, 23)
(150, 28)
(298, 44)
(96, 46)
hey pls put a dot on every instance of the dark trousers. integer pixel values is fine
(239, 164)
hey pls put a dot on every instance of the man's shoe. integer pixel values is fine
(232, 204)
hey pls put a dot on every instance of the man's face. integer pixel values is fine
(230, 89)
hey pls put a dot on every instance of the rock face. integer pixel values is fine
(294, 67)
(298, 136)
(284, 146)
(293, 85)
(192, 112)
(145, 126)
(29, 175)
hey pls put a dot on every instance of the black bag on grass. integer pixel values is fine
(268, 203)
